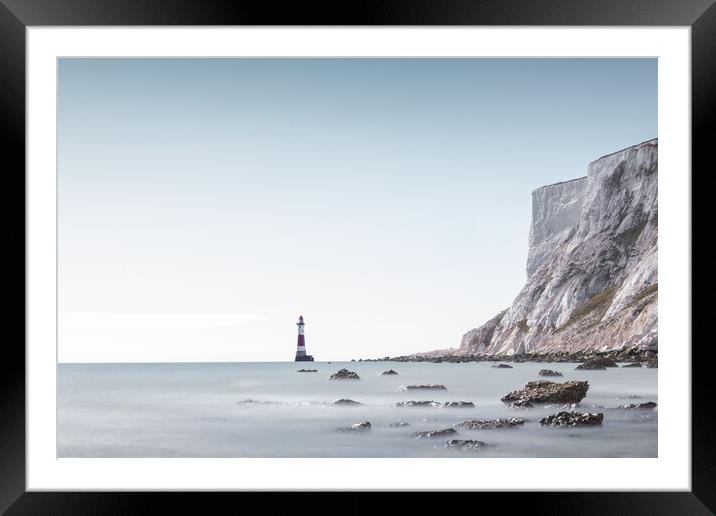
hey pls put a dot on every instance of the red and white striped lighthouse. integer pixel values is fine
(301, 347)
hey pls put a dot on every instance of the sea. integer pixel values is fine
(271, 410)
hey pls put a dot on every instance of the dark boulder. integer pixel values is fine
(307, 371)
(389, 371)
(569, 419)
(346, 402)
(598, 363)
(344, 374)
(502, 366)
(549, 372)
(544, 391)
(633, 364)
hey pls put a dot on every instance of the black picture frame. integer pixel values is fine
(16, 15)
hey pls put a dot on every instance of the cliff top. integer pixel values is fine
(560, 183)
(653, 141)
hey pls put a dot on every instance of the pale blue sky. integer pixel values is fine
(205, 203)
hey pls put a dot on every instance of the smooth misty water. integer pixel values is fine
(190, 410)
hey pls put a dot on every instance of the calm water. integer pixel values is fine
(191, 410)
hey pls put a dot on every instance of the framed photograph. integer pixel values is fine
(410, 249)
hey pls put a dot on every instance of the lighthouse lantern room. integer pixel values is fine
(301, 347)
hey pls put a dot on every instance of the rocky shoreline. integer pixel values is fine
(631, 355)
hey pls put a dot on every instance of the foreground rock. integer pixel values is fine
(429, 386)
(389, 371)
(649, 405)
(307, 371)
(346, 402)
(598, 363)
(502, 366)
(549, 372)
(485, 424)
(464, 444)
(633, 364)
(357, 427)
(569, 419)
(544, 391)
(435, 433)
(344, 374)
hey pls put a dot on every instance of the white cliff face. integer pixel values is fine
(555, 213)
(592, 264)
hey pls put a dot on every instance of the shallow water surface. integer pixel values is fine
(195, 410)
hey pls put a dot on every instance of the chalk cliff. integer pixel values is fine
(591, 266)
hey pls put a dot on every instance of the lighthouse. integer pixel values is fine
(301, 347)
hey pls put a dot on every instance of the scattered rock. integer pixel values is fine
(545, 391)
(345, 374)
(598, 363)
(399, 423)
(307, 371)
(649, 405)
(458, 404)
(389, 371)
(464, 444)
(633, 364)
(429, 386)
(484, 424)
(549, 372)
(249, 401)
(567, 419)
(502, 366)
(521, 404)
(346, 402)
(435, 433)
(413, 403)
(357, 427)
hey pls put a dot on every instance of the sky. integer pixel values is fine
(204, 204)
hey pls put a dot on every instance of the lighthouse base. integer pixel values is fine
(304, 358)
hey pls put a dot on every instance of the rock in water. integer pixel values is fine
(649, 405)
(389, 371)
(435, 433)
(633, 364)
(464, 444)
(413, 403)
(598, 363)
(544, 391)
(572, 419)
(458, 404)
(592, 264)
(357, 427)
(346, 402)
(429, 386)
(344, 374)
(307, 371)
(484, 424)
(502, 366)
(549, 372)
(399, 423)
